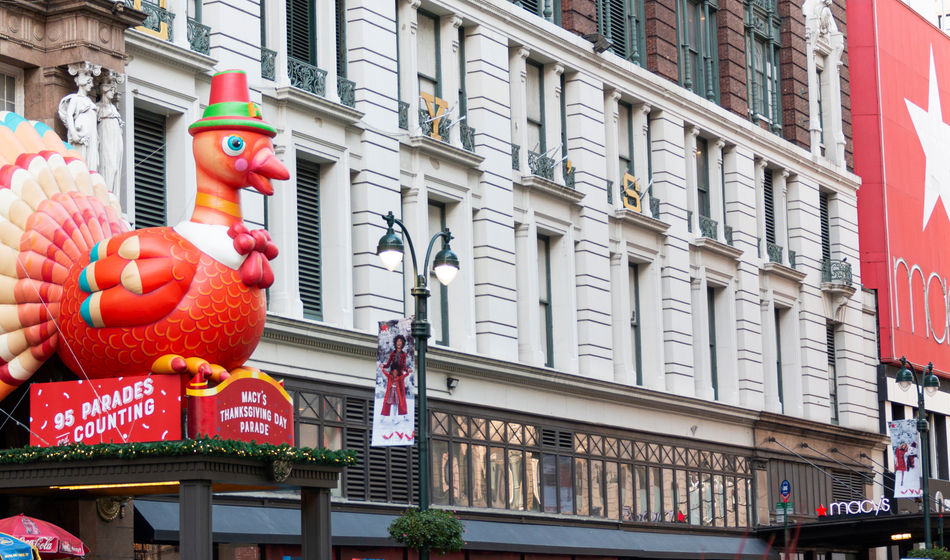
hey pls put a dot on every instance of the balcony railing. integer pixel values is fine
(610, 191)
(541, 165)
(836, 272)
(155, 16)
(403, 115)
(268, 64)
(199, 36)
(727, 233)
(467, 134)
(306, 76)
(774, 252)
(792, 255)
(568, 175)
(689, 221)
(516, 157)
(346, 89)
(654, 206)
(708, 227)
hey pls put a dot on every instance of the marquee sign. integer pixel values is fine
(113, 410)
(248, 406)
(900, 76)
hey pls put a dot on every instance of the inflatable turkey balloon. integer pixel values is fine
(75, 280)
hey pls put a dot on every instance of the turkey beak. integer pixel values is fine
(265, 166)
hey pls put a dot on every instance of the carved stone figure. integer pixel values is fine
(110, 132)
(79, 113)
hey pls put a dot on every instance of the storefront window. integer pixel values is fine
(580, 486)
(669, 496)
(613, 498)
(597, 488)
(694, 498)
(640, 483)
(656, 495)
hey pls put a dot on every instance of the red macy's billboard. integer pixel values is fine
(900, 81)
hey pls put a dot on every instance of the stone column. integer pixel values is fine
(624, 365)
(780, 199)
(702, 370)
(611, 146)
(519, 105)
(315, 530)
(692, 181)
(493, 227)
(284, 298)
(409, 60)
(716, 192)
(529, 320)
(552, 116)
(769, 356)
(449, 46)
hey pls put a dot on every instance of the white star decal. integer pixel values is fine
(934, 135)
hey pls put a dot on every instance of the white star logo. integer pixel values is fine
(934, 135)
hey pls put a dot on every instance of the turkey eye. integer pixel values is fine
(232, 145)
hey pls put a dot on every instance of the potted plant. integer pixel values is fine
(432, 529)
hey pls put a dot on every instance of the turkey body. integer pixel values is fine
(219, 318)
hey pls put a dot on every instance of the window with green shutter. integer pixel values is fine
(825, 227)
(301, 38)
(548, 9)
(763, 43)
(544, 299)
(711, 328)
(341, 38)
(149, 161)
(702, 176)
(634, 271)
(309, 261)
(769, 198)
(699, 46)
(621, 22)
(832, 354)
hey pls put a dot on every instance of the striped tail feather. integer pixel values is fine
(53, 210)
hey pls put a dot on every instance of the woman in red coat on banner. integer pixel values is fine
(396, 370)
(900, 465)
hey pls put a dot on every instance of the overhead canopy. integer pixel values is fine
(158, 522)
(855, 532)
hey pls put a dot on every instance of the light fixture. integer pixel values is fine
(905, 377)
(931, 382)
(901, 537)
(601, 43)
(390, 247)
(446, 264)
(451, 383)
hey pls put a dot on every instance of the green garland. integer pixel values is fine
(214, 447)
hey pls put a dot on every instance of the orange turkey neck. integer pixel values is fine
(217, 202)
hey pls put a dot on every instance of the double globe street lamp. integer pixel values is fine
(446, 266)
(930, 384)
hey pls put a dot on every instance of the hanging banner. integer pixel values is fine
(395, 402)
(905, 442)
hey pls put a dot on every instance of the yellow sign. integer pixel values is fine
(436, 108)
(162, 31)
(631, 192)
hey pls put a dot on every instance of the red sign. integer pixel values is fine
(900, 81)
(247, 406)
(112, 410)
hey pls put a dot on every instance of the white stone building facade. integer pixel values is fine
(702, 319)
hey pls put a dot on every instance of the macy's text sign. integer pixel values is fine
(115, 410)
(247, 406)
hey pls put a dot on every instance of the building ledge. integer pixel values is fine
(782, 271)
(550, 188)
(323, 107)
(641, 220)
(169, 53)
(441, 150)
(715, 247)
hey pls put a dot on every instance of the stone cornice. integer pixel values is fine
(311, 102)
(141, 44)
(438, 149)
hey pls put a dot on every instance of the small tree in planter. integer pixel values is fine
(935, 553)
(432, 529)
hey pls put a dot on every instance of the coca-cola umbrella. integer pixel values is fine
(52, 541)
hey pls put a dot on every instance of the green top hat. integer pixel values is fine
(230, 107)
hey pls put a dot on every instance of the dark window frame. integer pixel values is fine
(699, 45)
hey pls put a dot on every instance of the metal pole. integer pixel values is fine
(922, 427)
(420, 331)
(785, 542)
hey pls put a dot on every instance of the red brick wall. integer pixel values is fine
(662, 54)
(794, 74)
(838, 9)
(732, 69)
(579, 16)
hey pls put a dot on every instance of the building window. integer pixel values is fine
(635, 318)
(438, 305)
(769, 198)
(301, 25)
(341, 38)
(149, 161)
(762, 48)
(621, 22)
(563, 100)
(430, 61)
(544, 300)
(825, 218)
(832, 370)
(625, 139)
(778, 358)
(309, 263)
(7, 93)
(702, 177)
(711, 327)
(463, 95)
(940, 438)
(548, 9)
(699, 71)
(535, 108)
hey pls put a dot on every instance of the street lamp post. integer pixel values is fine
(445, 265)
(930, 385)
